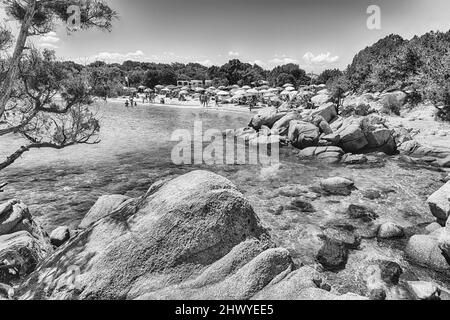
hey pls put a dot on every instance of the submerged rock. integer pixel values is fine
(390, 230)
(360, 212)
(338, 186)
(333, 255)
(390, 272)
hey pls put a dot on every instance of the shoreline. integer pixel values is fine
(193, 105)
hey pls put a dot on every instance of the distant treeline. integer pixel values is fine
(113, 76)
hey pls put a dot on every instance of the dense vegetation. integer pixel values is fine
(420, 66)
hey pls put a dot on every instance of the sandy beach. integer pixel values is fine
(190, 104)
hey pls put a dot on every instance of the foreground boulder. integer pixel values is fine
(186, 230)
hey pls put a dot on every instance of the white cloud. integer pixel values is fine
(233, 54)
(50, 37)
(117, 57)
(282, 60)
(322, 58)
(48, 40)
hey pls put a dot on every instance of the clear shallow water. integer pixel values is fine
(61, 186)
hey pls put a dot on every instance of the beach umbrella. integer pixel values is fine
(288, 85)
(265, 87)
(212, 88)
(290, 89)
(253, 91)
(171, 86)
(223, 93)
(199, 89)
(270, 95)
(284, 93)
(159, 86)
(184, 92)
(222, 88)
(246, 87)
(185, 88)
(148, 90)
(273, 90)
(240, 92)
(235, 86)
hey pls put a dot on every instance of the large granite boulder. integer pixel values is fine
(439, 203)
(266, 117)
(282, 125)
(328, 111)
(303, 134)
(352, 137)
(429, 250)
(182, 239)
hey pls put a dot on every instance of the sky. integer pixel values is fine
(316, 34)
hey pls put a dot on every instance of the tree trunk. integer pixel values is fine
(6, 86)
